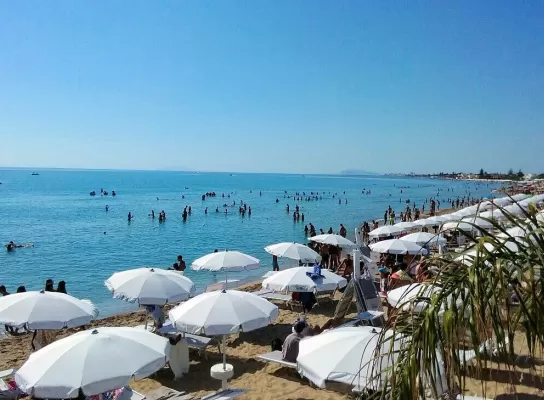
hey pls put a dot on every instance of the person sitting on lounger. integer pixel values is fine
(289, 350)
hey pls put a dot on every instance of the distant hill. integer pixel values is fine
(357, 172)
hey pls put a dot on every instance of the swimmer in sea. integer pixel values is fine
(11, 245)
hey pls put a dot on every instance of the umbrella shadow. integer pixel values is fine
(519, 396)
(263, 336)
(507, 377)
(198, 379)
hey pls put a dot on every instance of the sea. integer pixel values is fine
(74, 238)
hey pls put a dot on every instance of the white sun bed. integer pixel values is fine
(5, 391)
(129, 394)
(193, 341)
(224, 394)
(276, 357)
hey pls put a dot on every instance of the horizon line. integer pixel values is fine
(182, 170)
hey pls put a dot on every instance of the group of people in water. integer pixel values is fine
(103, 193)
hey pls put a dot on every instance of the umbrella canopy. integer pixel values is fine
(223, 313)
(521, 196)
(352, 356)
(507, 244)
(479, 222)
(397, 246)
(45, 310)
(96, 360)
(496, 214)
(514, 232)
(226, 261)
(532, 200)
(406, 225)
(293, 251)
(432, 221)
(424, 238)
(386, 230)
(404, 296)
(465, 212)
(298, 280)
(150, 286)
(335, 240)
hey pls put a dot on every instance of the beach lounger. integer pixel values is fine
(224, 394)
(231, 284)
(193, 341)
(276, 357)
(286, 298)
(7, 392)
(129, 394)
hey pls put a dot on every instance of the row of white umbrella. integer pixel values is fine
(469, 218)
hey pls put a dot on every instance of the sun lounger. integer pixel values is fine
(325, 295)
(6, 392)
(286, 298)
(231, 284)
(193, 341)
(129, 394)
(224, 394)
(276, 358)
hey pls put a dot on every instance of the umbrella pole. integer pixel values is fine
(224, 345)
(145, 326)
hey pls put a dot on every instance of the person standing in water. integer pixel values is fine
(275, 265)
(129, 216)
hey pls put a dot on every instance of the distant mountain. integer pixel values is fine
(357, 172)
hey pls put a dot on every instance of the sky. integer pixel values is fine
(304, 86)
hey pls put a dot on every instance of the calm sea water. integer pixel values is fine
(55, 212)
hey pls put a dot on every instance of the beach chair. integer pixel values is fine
(231, 284)
(7, 391)
(195, 342)
(224, 394)
(129, 394)
(282, 297)
(325, 295)
(276, 357)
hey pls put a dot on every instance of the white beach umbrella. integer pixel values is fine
(97, 360)
(539, 198)
(496, 214)
(465, 212)
(424, 239)
(514, 232)
(335, 240)
(293, 251)
(432, 221)
(223, 313)
(226, 261)
(406, 225)
(298, 280)
(397, 246)
(521, 196)
(479, 222)
(516, 209)
(353, 356)
(45, 310)
(150, 286)
(462, 226)
(404, 296)
(386, 230)
(507, 244)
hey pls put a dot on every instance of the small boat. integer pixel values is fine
(34, 174)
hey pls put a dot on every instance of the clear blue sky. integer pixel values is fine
(273, 86)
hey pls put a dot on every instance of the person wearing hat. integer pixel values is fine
(384, 280)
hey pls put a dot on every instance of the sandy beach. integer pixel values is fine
(270, 382)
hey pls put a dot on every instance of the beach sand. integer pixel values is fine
(271, 382)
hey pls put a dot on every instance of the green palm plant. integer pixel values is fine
(474, 306)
